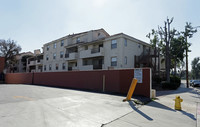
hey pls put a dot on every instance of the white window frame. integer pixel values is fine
(50, 67)
(57, 67)
(47, 57)
(45, 67)
(78, 39)
(61, 54)
(125, 60)
(54, 45)
(125, 42)
(62, 43)
(113, 44)
(114, 61)
(48, 47)
(54, 56)
(63, 66)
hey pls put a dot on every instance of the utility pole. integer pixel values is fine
(186, 59)
(189, 31)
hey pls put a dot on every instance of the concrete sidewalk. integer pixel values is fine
(161, 113)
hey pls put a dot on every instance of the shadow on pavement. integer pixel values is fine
(188, 114)
(138, 111)
(158, 105)
(181, 89)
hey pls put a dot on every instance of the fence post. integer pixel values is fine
(104, 78)
(32, 78)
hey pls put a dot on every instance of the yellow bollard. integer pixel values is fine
(178, 101)
(131, 90)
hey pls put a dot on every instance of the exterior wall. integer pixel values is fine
(19, 78)
(35, 63)
(133, 48)
(89, 41)
(116, 81)
(2, 64)
(69, 40)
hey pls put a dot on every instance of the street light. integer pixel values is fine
(186, 30)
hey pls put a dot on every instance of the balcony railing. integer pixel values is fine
(97, 66)
(92, 53)
(71, 56)
(67, 55)
(95, 50)
(31, 63)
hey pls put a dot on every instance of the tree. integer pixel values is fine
(195, 68)
(177, 49)
(181, 67)
(162, 38)
(189, 31)
(9, 49)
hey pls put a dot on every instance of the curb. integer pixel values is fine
(198, 114)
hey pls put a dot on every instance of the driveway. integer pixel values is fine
(38, 106)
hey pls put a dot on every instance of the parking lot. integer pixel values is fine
(38, 106)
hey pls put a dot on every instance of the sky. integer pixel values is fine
(32, 23)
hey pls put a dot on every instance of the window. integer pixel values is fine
(113, 44)
(125, 60)
(78, 39)
(49, 66)
(47, 57)
(56, 66)
(47, 47)
(61, 54)
(114, 61)
(62, 43)
(45, 68)
(125, 42)
(66, 55)
(54, 45)
(99, 34)
(63, 66)
(54, 56)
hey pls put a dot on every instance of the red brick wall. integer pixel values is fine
(90, 80)
(19, 78)
(2, 64)
(117, 81)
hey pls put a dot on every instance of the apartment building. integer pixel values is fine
(92, 50)
(19, 63)
(35, 63)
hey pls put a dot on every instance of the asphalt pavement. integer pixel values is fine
(39, 106)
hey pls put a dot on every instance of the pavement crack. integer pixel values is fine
(118, 119)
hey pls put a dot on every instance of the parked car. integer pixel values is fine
(196, 83)
(191, 82)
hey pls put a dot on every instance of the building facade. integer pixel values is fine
(92, 50)
(35, 63)
(19, 63)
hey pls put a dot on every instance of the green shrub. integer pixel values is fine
(175, 79)
(174, 83)
(157, 79)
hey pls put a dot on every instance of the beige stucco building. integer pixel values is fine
(19, 63)
(35, 63)
(91, 50)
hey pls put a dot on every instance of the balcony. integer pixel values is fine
(72, 68)
(92, 53)
(71, 56)
(39, 62)
(86, 67)
(31, 63)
